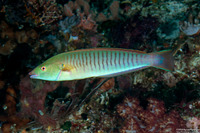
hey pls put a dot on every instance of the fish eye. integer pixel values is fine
(43, 68)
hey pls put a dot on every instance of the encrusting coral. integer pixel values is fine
(33, 99)
(152, 119)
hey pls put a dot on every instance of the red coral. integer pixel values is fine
(33, 99)
(153, 119)
(88, 23)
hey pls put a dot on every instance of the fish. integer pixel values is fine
(100, 62)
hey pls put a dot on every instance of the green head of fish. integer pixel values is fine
(49, 70)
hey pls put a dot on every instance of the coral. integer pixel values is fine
(15, 12)
(56, 42)
(152, 119)
(12, 123)
(189, 29)
(44, 12)
(7, 48)
(190, 112)
(88, 23)
(34, 30)
(76, 5)
(114, 13)
(168, 31)
(68, 23)
(169, 79)
(95, 40)
(134, 32)
(2, 83)
(10, 102)
(66, 26)
(193, 123)
(98, 117)
(83, 7)
(20, 36)
(32, 101)
(165, 11)
(146, 79)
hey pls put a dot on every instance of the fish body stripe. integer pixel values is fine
(128, 60)
(81, 60)
(119, 55)
(124, 56)
(94, 61)
(108, 60)
(105, 62)
(97, 61)
(111, 54)
(132, 59)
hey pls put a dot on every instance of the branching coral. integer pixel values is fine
(43, 12)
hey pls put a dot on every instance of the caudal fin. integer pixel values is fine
(164, 60)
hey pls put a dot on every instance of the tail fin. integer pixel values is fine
(164, 60)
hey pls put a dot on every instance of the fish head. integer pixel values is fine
(46, 71)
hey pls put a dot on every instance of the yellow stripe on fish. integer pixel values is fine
(100, 62)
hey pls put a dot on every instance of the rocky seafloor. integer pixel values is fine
(149, 100)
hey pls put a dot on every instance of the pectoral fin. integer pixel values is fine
(67, 68)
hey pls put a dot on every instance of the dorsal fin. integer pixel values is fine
(109, 49)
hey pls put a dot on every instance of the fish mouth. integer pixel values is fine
(33, 75)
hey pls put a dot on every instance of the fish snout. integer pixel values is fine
(32, 74)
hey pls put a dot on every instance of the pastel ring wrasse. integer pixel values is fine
(100, 62)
